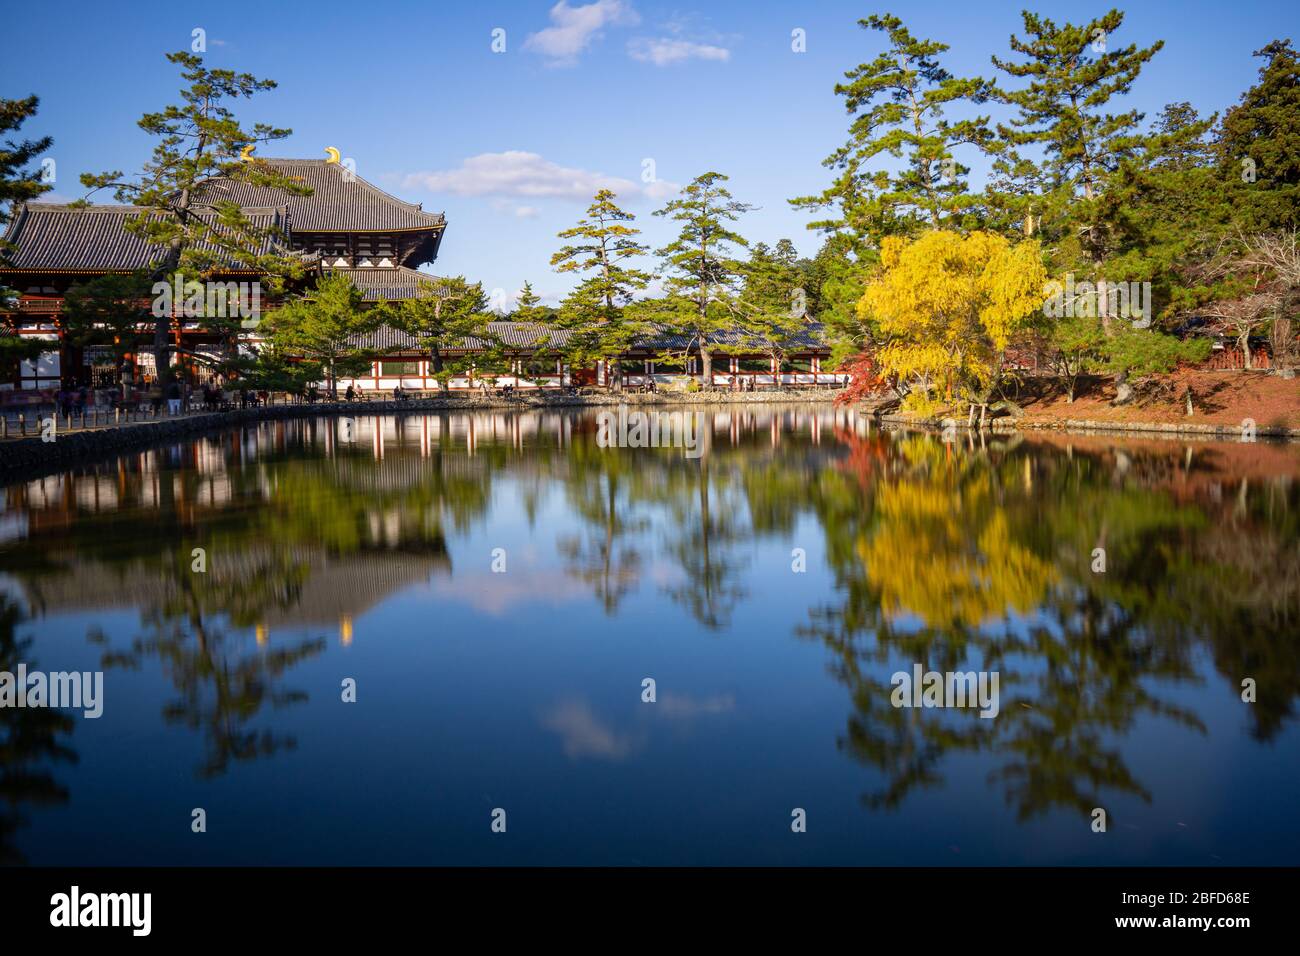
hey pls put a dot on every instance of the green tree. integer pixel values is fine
(774, 301)
(529, 306)
(1073, 72)
(275, 369)
(1136, 353)
(16, 349)
(109, 311)
(447, 315)
(18, 184)
(702, 272)
(1259, 141)
(198, 232)
(595, 313)
(898, 103)
(322, 326)
(1075, 346)
(1167, 200)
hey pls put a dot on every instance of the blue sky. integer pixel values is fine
(512, 144)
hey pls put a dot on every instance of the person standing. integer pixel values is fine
(173, 397)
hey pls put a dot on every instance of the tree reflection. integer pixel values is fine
(32, 739)
(981, 559)
(293, 540)
(977, 555)
(604, 555)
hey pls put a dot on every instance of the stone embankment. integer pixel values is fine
(1008, 424)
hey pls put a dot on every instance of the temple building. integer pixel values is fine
(346, 225)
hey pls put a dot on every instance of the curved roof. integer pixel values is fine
(341, 201)
(54, 237)
(388, 283)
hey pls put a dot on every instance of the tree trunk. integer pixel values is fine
(435, 360)
(1282, 343)
(1244, 341)
(706, 368)
(1123, 390)
(162, 349)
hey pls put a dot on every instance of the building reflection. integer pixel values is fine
(969, 555)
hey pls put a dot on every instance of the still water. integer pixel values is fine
(499, 587)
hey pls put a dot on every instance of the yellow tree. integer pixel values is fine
(946, 306)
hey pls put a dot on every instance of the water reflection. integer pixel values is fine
(983, 559)
(976, 555)
(32, 744)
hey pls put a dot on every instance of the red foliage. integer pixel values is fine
(864, 378)
(867, 455)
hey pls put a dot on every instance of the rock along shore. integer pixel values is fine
(1007, 424)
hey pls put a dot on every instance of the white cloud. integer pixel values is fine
(685, 707)
(499, 594)
(584, 734)
(509, 208)
(574, 28)
(524, 175)
(664, 51)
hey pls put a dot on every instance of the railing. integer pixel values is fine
(1233, 359)
(36, 421)
(40, 305)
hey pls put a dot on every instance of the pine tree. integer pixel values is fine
(322, 325)
(774, 301)
(1259, 142)
(443, 318)
(197, 232)
(898, 102)
(529, 305)
(18, 184)
(1077, 191)
(595, 312)
(1073, 73)
(837, 279)
(702, 273)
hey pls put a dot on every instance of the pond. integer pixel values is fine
(515, 638)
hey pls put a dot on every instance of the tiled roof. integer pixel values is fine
(391, 284)
(812, 336)
(513, 334)
(526, 335)
(61, 238)
(337, 204)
